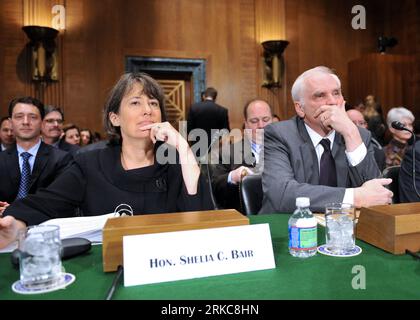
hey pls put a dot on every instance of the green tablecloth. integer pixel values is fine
(321, 277)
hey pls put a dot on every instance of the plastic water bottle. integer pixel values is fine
(302, 230)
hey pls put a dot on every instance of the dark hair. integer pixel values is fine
(90, 135)
(211, 93)
(49, 108)
(27, 100)
(150, 88)
(255, 100)
(69, 126)
(3, 119)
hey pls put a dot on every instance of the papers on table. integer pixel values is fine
(89, 227)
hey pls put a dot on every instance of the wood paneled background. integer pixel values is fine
(100, 33)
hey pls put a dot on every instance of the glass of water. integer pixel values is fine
(40, 257)
(339, 232)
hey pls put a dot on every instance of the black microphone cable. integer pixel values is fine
(399, 126)
(114, 283)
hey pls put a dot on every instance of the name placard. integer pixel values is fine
(169, 256)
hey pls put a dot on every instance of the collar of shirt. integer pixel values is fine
(33, 151)
(316, 139)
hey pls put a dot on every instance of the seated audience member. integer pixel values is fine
(132, 171)
(30, 164)
(395, 149)
(358, 119)
(85, 137)
(71, 134)
(374, 117)
(208, 115)
(275, 118)
(96, 137)
(320, 153)
(7, 138)
(242, 155)
(52, 130)
(409, 192)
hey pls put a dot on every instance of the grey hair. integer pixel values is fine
(397, 114)
(298, 85)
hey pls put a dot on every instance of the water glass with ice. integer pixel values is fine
(339, 221)
(40, 257)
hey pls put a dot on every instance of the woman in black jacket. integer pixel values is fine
(147, 165)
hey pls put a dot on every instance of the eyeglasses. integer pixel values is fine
(360, 123)
(51, 121)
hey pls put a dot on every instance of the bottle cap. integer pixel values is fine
(303, 202)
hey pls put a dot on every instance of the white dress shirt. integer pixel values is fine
(354, 157)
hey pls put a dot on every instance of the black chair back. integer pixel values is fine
(251, 194)
(393, 173)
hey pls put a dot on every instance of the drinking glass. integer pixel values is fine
(40, 257)
(339, 232)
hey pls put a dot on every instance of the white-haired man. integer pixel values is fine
(320, 153)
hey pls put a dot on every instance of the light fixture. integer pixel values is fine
(384, 42)
(273, 62)
(44, 66)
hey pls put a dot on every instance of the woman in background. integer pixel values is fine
(395, 150)
(85, 137)
(71, 134)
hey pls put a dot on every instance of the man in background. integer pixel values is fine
(208, 115)
(7, 138)
(243, 157)
(358, 119)
(52, 130)
(30, 164)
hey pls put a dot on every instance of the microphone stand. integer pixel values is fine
(205, 161)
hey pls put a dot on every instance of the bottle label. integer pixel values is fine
(303, 238)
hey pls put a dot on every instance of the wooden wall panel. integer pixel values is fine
(228, 33)
(320, 33)
(270, 24)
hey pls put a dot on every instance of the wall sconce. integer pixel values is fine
(273, 62)
(44, 64)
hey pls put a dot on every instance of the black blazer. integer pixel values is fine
(208, 115)
(97, 183)
(67, 147)
(406, 187)
(227, 195)
(49, 163)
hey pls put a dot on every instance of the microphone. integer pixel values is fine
(399, 126)
(204, 160)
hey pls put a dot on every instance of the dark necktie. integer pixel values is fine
(327, 173)
(25, 176)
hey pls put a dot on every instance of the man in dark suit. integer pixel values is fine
(52, 129)
(208, 115)
(30, 164)
(320, 153)
(243, 157)
(357, 117)
(407, 190)
(7, 138)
